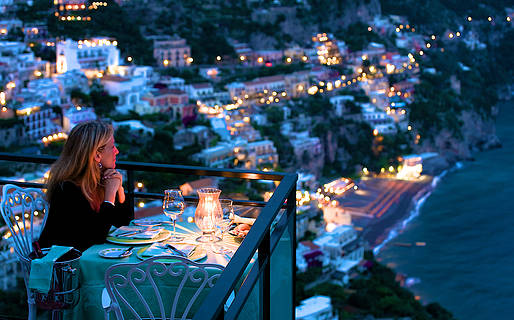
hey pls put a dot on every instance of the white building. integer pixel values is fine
(200, 91)
(95, 53)
(45, 89)
(339, 103)
(343, 249)
(74, 116)
(70, 80)
(129, 90)
(315, 308)
(39, 120)
(377, 119)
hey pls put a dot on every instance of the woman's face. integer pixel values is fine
(108, 154)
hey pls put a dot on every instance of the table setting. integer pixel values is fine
(214, 229)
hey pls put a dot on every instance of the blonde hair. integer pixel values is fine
(77, 161)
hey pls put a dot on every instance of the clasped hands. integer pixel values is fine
(113, 183)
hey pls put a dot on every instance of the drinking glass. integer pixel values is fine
(173, 206)
(228, 211)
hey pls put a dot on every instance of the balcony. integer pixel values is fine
(275, 223)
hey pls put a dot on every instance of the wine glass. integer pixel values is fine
(223, 225)
(228, 212)
(173, 206)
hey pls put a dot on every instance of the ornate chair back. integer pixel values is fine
(162, 287)
(21, 208)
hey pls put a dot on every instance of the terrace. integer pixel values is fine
(250, 271)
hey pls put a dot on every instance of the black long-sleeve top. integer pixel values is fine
(72, 222)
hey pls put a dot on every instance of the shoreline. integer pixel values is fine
(379, 233)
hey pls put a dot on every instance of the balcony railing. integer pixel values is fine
(262, 238)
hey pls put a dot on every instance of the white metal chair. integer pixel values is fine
(20, 208)
(162, 287)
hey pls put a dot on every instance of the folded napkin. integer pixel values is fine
(160, 248)
(135, 232)
(40, 278)
(237, 219)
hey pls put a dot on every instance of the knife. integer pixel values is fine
(125, 252)
(176, 250)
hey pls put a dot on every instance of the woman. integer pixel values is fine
(84, 189)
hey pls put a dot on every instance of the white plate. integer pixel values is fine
(114, 253)
(199, 254)
(163, 235)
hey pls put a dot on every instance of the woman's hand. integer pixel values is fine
(113, 184)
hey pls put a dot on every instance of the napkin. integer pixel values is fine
(160, 248)
(40, 277)
(237, 219)
(135, 232)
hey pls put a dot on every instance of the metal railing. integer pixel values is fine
(261, 238)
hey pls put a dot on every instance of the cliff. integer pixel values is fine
(476, 134)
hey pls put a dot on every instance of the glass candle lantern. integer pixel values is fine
(208, 213)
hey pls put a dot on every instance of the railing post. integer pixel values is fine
(130, 192)
(291, 212)
(264, 282)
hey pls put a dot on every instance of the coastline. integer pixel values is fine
(381, 232)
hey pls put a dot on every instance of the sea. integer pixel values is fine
(464, 259)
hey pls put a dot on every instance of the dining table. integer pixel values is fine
(92, 267)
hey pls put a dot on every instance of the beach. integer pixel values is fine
(380, 206)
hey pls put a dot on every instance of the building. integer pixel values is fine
(340, 102)
(315, 308)
(308, 255)
(167, 100)
(343, 249)
(190, 188)
(46, 90)
(189, 136)
(381, 122)
(327, 50)
(129, 90)
(200, 91)
(70, 80)
(92, 54)
(302, 143)
(271, 83)
(171, 51)
(220, 156)
(74, 116)
(38, 119)
(8, 25)
(255, 154)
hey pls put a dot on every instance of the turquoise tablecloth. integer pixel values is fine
(93, 267)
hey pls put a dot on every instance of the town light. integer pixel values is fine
(370, 29)
(165, 62)
(469, 19)
(129, 59)
(140, 185)
(489, 19)
(508, 19)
